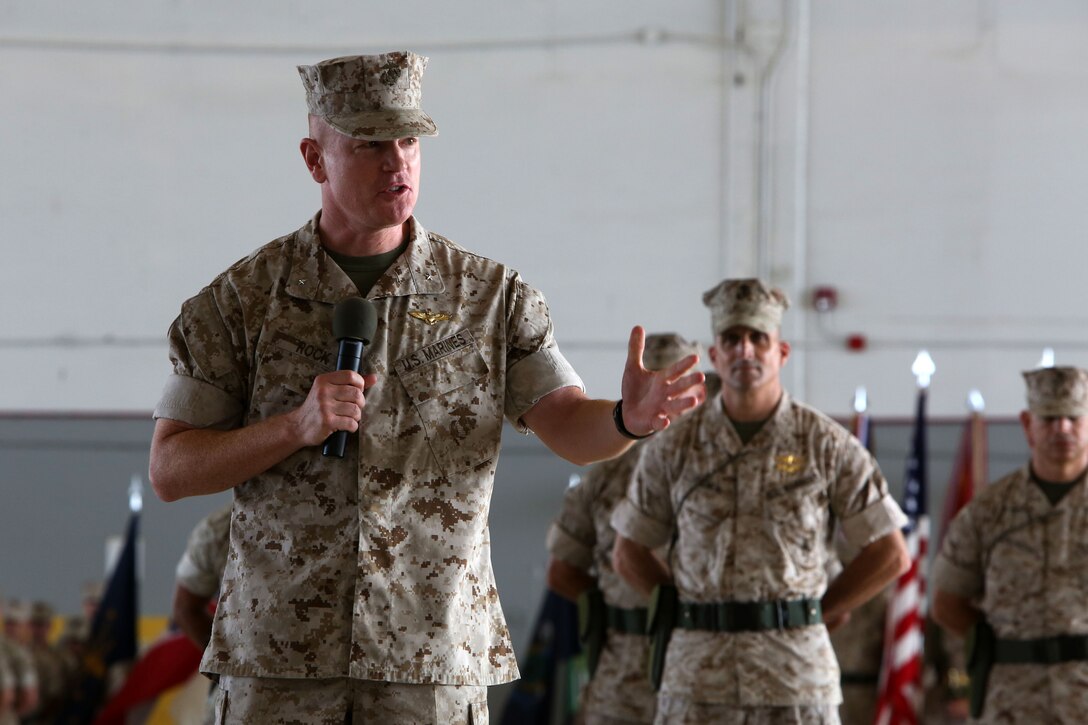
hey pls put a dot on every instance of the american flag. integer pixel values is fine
(900, 689)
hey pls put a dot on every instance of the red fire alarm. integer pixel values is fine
(856, 342)
(825, 299)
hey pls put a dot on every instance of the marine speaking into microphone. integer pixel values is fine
(353, 323)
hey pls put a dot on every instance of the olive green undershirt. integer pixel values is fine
(365, 271)
(1053, 490)
(747, 429)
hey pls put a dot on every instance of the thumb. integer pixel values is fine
(636, 345)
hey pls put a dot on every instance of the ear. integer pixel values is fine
(311, 154)
(1025, 423)
(784, 348)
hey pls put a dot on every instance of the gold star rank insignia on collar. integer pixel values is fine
(429, 317)
(789, 463)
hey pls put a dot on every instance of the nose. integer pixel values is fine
(745, 347)
(394, 156)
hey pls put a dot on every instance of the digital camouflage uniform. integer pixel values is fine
(1023, 562)
(7, 687)
(24, 676)
(583, 537)
(751, 524)
(53, 682)
(376, 566)
(200, 569)
(201, 566)
(859, 649)
(315, 702)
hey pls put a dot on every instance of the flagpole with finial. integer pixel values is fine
(923, 369)
(860, 423)
(861, 400)
(136, 494)
(1047, 359)
(976, 404)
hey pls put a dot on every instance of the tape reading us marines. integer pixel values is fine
(448, 383)
(435, 351)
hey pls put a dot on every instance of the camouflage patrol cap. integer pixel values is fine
(1061, 391)
(91, 590)
(17, 610)
(75, 627)
(746, 302)
(664, 349)
(371, 97)
(41, 612)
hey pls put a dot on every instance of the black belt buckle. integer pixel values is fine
(782, 613)
(722, 618)
(768, 615)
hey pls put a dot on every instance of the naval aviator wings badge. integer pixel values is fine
(430, 318)
(789, 463)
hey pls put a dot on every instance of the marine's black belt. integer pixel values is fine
(626, 621)
(750, 616)
(859, 678)
(1042, 651)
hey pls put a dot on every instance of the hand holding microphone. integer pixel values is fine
(353, 323)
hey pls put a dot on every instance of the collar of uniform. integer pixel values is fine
(778, 418)
(1035, 502)
(414, 272)
(313, 274)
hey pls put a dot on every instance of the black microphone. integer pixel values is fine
(353, 323)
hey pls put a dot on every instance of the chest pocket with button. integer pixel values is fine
(797, 512)
(455, 399)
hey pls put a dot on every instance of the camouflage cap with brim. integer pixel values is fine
(664, 349)
(370, 97)
(745, 302)
(41, 612)
(74, 627)
(17, 610)
(91, 590)
(1060, 391)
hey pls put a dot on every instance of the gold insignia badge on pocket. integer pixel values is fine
(789, 463)
(429, 317)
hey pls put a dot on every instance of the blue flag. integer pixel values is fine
(112, 638)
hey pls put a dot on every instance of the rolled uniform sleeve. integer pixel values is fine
(535, 367)
(572, 536)
(207, 388)
(646, 515)
(958, 566)
(861, 498)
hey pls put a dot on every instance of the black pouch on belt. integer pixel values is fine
(981, 644)
(592, 625)
(661, 618)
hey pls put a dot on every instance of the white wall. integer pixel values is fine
(925, 158)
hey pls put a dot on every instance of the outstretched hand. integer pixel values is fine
(653, 399)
